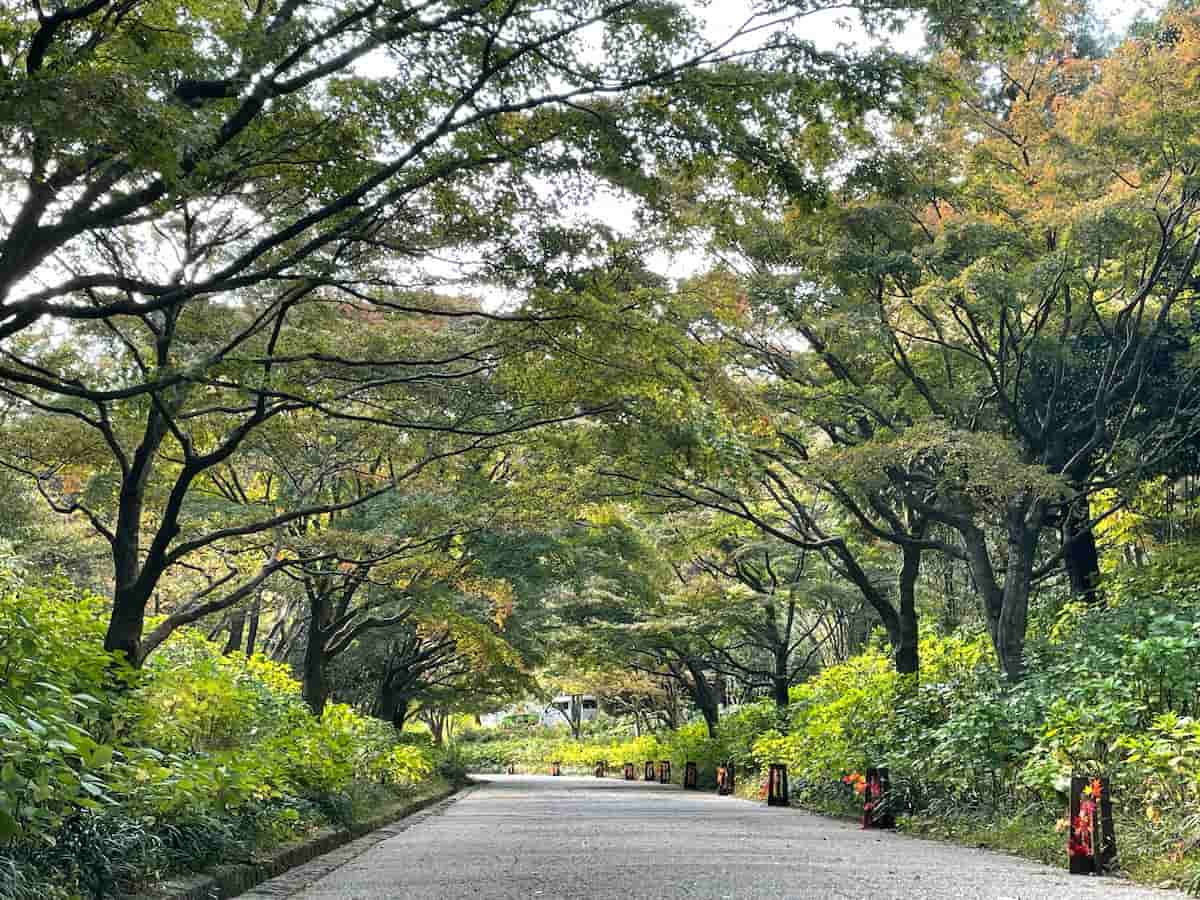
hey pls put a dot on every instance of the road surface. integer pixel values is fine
(543, 838)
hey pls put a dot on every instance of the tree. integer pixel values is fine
(195, 205)
(766, 612)
(176, 475)
(438, 660)
(1016, 277)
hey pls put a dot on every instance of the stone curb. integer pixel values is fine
(238, 878)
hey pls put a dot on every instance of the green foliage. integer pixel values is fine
(111, 777)
(56, 754)
(198, 700)
(1111, 690)
(537, 752)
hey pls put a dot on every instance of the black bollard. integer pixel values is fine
(1091, 840)
(777, 785)
(691, 777)
(877, 812)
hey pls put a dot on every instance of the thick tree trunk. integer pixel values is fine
(237, 630)
(316, 686)
(393, 703)
(703, 695)
(779, 689)
(907, 654)
(316, 659)
(1080, 556)
(126, 625)
(1025, 518)
(780, 682)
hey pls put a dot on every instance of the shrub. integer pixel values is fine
(56, 685)
(110, 776)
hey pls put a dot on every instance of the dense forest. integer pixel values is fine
(370, 366)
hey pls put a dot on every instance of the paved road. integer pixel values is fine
(558, 838)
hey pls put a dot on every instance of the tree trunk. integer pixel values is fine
(237, 629)
(671, 706)
(393, 702)
(780, 682)
(576, 718)
(1080, 557)
(907, 654)
(126, 624)
(870, 592)
(316, 687)
(316, 660)
(703, 695)
(1025, 517)
(255, 616)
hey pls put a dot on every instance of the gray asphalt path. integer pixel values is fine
(602, 839)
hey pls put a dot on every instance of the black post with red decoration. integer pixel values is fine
(777, 785)
(1091, 840)
(725, 779)
(877, 811)
(691, 777)
(630, 773)
(648, 773)
(556, 769)
(664, 771)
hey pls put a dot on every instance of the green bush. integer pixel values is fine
(111, 777)
(56, 708)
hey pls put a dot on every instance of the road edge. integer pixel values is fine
(235, 879)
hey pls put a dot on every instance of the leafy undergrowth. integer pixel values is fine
(113, 778)
(1150, 853)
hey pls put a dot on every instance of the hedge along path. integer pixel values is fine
(289, 869)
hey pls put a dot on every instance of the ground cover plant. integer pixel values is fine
(111, 777)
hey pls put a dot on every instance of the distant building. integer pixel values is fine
(560, 711)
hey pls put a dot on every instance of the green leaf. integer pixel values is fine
(9, 826)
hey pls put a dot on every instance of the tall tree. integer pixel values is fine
(991, 312)
(767, 611)
(192, 203)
